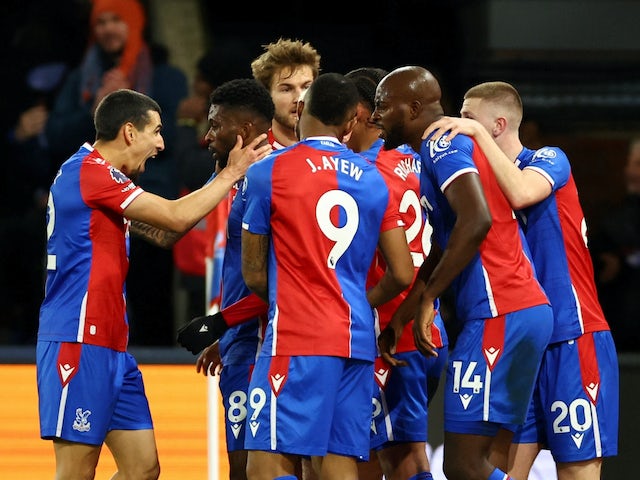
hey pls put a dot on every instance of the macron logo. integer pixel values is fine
(592, 389)
(65, 371)
(276, 381)
(491, 354)
(466, 400)
(203, 329)
(381, 376)
(254, 427)
(235, 429)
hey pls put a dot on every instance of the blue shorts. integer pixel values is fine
(234, 385)
(400, 398)
(574, 411)
(85, 391)
(310, 405)
(492, 370)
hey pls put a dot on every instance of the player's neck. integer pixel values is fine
(363, 142)
(510, 145)
(283, 135)
(112, 152)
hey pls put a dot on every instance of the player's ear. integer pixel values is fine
(128, 133)
(499, 126)
(246, 131)
(348, 129)
(300, 106)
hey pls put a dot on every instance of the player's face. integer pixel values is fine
(388, 116)
(147, 143)
(287, 88)
(222, 133)
(111, 32)
(479, 110)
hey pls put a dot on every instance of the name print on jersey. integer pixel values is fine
(336, 164)
(407, 166)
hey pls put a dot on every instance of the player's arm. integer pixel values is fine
(247, 308)
(399, 272)
(183, 213)
(156, 236)
(521, 187)
(473, 221)
(406, 311)
(205, 331)
(255, 252)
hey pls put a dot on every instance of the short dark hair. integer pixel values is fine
(244, 93)
(120, 107)
(331, 97)
(366, 80)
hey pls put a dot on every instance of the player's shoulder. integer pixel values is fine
(461, 146)
(549, 151)
(549, 154)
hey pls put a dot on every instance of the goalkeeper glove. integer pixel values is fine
(201, 332)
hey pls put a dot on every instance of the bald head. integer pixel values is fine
(413, 83)
(407, 101)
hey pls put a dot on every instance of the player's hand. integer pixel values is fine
(387, 342)
(422, 328)
(201, 332)
(209, 361)
(31, 123)
(449, 127)
(241, 158)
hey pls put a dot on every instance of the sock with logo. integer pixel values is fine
(498, 474)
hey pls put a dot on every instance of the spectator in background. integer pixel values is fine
(39, 57)
(194, 253)
(616, 251)
(119, 57)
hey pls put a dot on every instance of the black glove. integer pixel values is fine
(201, 332)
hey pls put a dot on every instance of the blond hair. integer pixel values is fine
(284, 53)
(501, 94)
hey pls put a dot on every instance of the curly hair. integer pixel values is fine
(284, 53)
(244, 93)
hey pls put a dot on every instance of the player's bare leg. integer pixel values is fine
(466, 456)
(75, 460)
(335, 467)
(135, 453)
(404, 460)
(370, 470)
(267, 466)
(587, 470)
(237, 465)
(500, 450)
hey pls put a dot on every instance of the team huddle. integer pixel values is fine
(354, 204)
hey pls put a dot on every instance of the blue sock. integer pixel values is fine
(421, 476)
(286, 477)
(498, 474)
